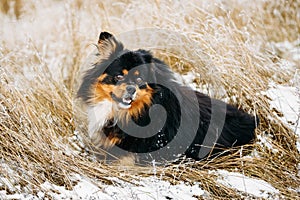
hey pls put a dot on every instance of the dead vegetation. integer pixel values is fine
(229, 43)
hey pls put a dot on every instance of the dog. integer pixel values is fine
(134, 104)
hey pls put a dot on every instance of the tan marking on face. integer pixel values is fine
(102, 77)
(119, 90)
(125, 72)
(142, 100)
(100, 91)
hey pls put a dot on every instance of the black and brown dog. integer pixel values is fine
(121, 91)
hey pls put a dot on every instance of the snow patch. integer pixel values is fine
(289, 49)
(153, 188)
(286, 100)
(144, 189)
(84, 189)
(240, 182)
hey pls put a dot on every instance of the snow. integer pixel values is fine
(240, 182)
(265, 140)
(144, 189)
(84, 189)
(188, 79)
(154, 188)
(286, 99)
(289, 49)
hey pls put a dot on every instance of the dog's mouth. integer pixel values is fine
(125, 101)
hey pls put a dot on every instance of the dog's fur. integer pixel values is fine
(123, 86)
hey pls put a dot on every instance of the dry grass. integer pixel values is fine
(228, 42)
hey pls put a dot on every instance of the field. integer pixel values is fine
(244, 52)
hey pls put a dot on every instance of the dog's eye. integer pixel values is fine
(119, 77)
(139, 80)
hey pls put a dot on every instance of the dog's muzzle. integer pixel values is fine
(127, 98)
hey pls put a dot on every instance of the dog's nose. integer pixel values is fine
(130, 89)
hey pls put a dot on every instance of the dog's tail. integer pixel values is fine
(239, 128)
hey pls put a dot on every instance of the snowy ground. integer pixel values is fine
(146, 188)
(240, 182)
(286, 99)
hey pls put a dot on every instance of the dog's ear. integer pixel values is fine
(104, 36)
(108, 45)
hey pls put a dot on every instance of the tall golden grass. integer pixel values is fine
(44, 44)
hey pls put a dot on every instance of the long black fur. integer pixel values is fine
(238, 128)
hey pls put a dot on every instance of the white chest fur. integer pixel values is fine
(98, 115)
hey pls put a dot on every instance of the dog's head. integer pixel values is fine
(121, 76)
(125, 82)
